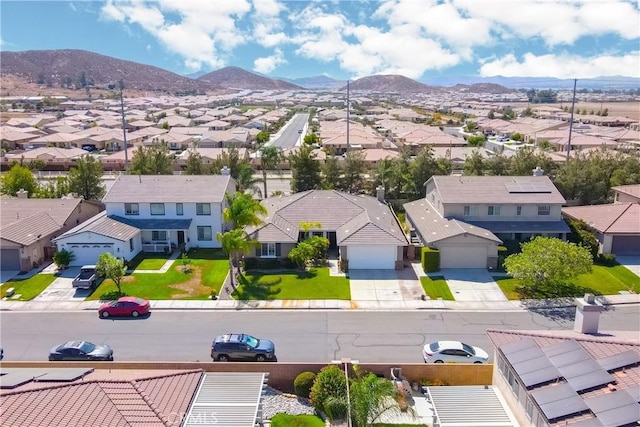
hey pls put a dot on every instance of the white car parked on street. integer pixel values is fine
(453, 352)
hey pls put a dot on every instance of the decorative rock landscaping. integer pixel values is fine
(276, 402)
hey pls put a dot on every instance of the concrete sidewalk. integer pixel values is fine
(367, 305)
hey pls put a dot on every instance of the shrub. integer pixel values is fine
(608, 260)
(63, 258)
(430, 260)
(336, 408)
(303, 383)
(330, 382)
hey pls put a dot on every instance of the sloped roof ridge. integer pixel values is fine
(85, 224)
(276, 223)
(367, 223)
(152, 406)
(554, 334)
(619, 216)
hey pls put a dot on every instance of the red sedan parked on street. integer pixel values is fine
(124, 306)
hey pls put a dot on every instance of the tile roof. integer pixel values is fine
(618, 218)
(168, 188)
(154, 401)
(598, 347)
(103, 225)
(24, 221)
(632, 190)
(433, 228)
(497, 189)
(355, 218)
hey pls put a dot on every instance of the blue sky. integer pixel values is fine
(420, 39)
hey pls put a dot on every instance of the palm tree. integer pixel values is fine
(270, 157)
(243, 210)
(235, 243)
(247, 181)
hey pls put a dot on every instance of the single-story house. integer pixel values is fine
(364, 229)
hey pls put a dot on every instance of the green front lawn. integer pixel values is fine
(28, 288)
(436, 287)
(602, 280)
(204, 273)
(315, 283)
(286, 420)
(148, 261)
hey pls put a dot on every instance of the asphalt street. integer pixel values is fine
(290, 135)
(300, 336)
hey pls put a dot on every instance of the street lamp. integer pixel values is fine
(346, 362)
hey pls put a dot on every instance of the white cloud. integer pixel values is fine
(563, 66)
(267, 64)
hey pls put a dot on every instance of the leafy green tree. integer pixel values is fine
(627, 171)
(581, 235)
(383, 174)
(85, 179)
(63, 258)
(263, 137)
(353, 170)
(423, 167)
(330, 382)
(311, 139)
(476, 140)
(546, 262)
(243, 210)
(235, 243)
(516, 136)
(270, 158)
(301, 255)
(331, 173)
(194, 164)
(498, 164)
(231, 159)
(474, 164)
(18, 178)
(54, 189)
(152, 160)
(527, 159)
(113, 268)
(305, 170)
(470, 127)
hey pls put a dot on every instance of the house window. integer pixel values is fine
(203, 208)
(268, 250)
(158, 235)
(131, 209)
(157, 208)
(204, 233)
(493, 211)
(469, 210)
(131, 245)
(179, 209)
(518, 210)
(544, 210)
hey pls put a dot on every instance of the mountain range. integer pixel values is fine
(79, 69)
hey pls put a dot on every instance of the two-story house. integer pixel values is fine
(467, 217)
(152, 213)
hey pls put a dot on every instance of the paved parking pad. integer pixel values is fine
(62, 289)
(375, 285)
(471, 284)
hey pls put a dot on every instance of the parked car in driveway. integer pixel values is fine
(453, 351)
(81, 350)
(125, 306)
(242, 347)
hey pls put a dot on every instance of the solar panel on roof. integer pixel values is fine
(571, 357)
(540, 376)
(606, 402)
(553, 393)
(634, 391)
(620, 416)
(526, 354)
(590, 380)
(561, 347)
(528, 366)
(14, 380)
(563, 407)
(581, 368)
(64, 374)
(593, 422)
(519, 345)
(626, 358)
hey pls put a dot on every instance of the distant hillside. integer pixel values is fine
(482, 88)
(604, 83)
(321, 82)
(79, 68)
(390, 83)
(237, 78)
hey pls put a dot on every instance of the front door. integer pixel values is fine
(180, 238)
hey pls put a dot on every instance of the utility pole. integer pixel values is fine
(348, 108)
(573, 104)
(124, 126)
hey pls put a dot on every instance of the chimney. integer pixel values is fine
(538, 171)
(22, 194)
(380, 193)
(587, 314)
(225, 171)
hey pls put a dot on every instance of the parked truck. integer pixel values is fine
(88, 278)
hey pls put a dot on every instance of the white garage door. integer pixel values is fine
(372, 257)
(88, 254)
(463, 257)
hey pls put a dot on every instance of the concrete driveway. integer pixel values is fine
(472, 284)
(5, 276)
(631, 262)
(384, 285)
(61, 289)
